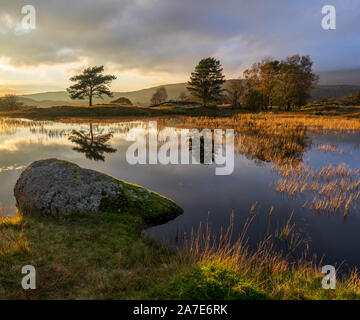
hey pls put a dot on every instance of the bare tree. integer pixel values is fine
(10, 102)
(183, 96)
(159, 96)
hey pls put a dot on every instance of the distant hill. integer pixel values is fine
(333, 91)
(332, 84)
(140, 97)
(43, 103)
(340, 77)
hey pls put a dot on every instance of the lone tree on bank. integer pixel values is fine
(91, 82)
(206, 81)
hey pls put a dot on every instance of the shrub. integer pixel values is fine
(351, 100)
(10, 102)
(123, 100)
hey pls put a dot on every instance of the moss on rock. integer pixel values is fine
(53, 187)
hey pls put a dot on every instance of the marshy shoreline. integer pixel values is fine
(104, 256)
(82, 256)
(115, 111)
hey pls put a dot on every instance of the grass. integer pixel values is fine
(76, 256)
(113, 110)
(105, 257)
(332, 188)
(11, 222)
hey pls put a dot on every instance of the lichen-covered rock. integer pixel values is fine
(52, 187)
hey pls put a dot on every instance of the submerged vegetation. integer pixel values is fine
(282, 139)
(332, 188)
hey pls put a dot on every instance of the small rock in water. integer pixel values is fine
(54, 186)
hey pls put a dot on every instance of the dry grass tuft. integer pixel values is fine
(11, 222)
(274, 272)
(332, 188)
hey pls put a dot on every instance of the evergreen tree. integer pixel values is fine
(91, 82)
(206, 81)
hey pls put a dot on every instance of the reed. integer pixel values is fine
(265, 269)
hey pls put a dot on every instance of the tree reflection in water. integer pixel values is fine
(94, 146)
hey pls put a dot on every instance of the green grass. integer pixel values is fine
(105, 257)
(77, 256)
(210, 282)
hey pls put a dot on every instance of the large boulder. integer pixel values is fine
(52, 187)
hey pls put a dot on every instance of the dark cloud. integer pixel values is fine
(171, 35)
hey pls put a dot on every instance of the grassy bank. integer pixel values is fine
(120, 111)
(115, 111)
(104, 257)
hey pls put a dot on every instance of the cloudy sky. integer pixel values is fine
(153, 42)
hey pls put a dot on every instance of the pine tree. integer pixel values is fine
(91, 82)
(206, 81)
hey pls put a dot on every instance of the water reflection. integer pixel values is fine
(286, 145)
(93, 144)
(197, 189)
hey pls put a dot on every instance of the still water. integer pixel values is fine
(250, 191)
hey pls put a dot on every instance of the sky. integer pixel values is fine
(153, 42)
